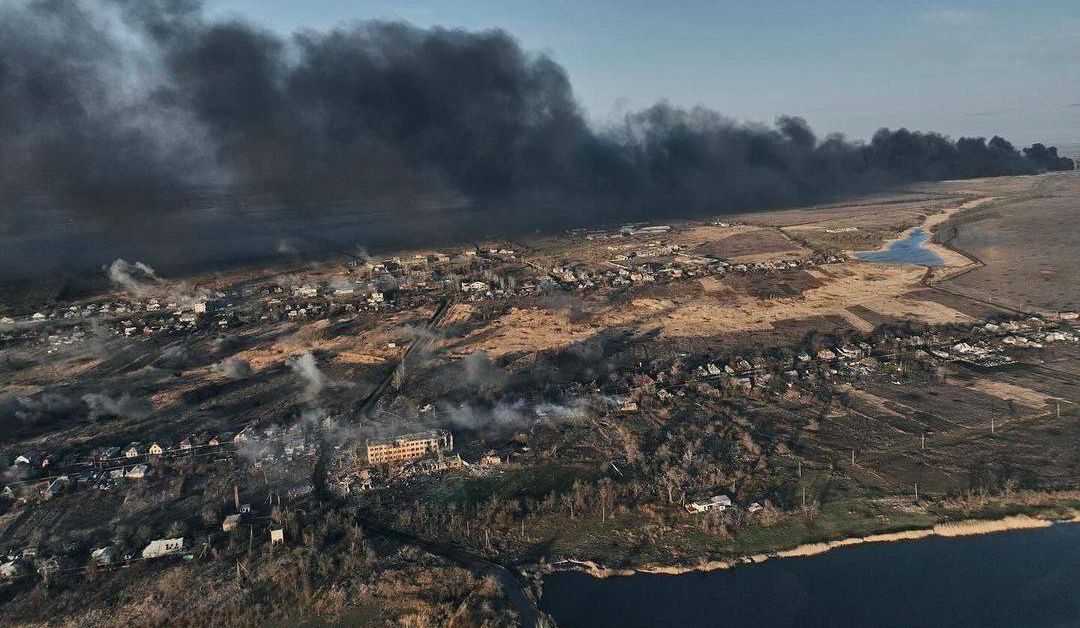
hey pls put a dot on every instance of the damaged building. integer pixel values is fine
(405, 447)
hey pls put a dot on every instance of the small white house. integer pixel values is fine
(718, 503)
(163, 547)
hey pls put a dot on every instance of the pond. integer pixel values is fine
(1020, 579)
(909, 250)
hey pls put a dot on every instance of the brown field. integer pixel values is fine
(874, 225)
(726, 307)
(866, 205)
(1028, 248)
(746, 245)
(884, 423)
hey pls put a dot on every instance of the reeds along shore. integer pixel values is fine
(948, 529)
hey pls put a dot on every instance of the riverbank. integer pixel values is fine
(967, 527)
(1020, 579)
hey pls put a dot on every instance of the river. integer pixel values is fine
(1018, 579)
(907, 250)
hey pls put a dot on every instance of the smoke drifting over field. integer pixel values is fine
(122, 108)
(314, 379)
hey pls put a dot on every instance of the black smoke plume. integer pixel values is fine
(138, 118)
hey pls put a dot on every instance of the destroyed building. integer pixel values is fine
(408, 446)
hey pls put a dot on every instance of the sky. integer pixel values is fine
(849, 66)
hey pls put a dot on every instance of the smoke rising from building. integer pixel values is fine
(124, 112)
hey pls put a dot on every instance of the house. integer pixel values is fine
(109, 453)
(138, 472)
(246, 435)
(163, 547)
(155, 449)
(103, 556)
(474, 286)
(718, 503)
(850, 352)
(826, 354)
(490, 459)
(755, 507)
(30, 458)
(277, 536)
(52, 564)
(224, 437)
(134, 450)
(56, 487)
(187, 443)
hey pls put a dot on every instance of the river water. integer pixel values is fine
(909, 250)
(1018, 579)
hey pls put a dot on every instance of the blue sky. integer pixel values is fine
(979, 68)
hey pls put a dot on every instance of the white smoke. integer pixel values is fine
(137, 278)
(174, 357)
(482, 372)
(287, 246)
(102, 406)
(515, 415)
(306, 368)
(235, 368)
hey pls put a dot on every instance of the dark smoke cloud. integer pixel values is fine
(129, 112)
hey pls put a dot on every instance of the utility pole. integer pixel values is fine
(991, 424)
(923, 443)
(804, 498)
(853, 457)
(800, 468)
(916, 491)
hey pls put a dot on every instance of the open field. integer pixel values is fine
(1027, 248)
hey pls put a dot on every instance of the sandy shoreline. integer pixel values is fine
(970, 527)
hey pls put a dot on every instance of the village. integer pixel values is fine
(504, 399)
